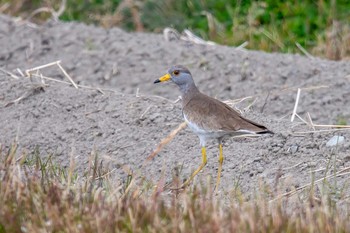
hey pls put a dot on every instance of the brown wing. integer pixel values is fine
(211, 114)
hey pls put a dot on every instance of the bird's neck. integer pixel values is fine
(187, 92)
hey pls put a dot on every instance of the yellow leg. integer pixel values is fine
(204, 162)
(221, 160)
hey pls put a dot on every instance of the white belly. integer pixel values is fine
(203, 134)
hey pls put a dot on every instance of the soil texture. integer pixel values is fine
(118, 113)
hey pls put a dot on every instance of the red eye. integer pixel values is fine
(176, 72)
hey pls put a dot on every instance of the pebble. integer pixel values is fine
(275, 149)
(59, 150)
(257, 159)
(260, 169)
(293, 149)
(335, 140)
(69, 108)
(116, 115)
(312, 164)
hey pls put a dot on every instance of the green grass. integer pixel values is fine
(36, 195)
(341, 120)
(321, 27)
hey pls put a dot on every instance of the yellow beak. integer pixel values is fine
(164, 78)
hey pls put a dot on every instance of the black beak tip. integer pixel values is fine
(157, 81)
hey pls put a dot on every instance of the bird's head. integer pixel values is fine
(178, 74)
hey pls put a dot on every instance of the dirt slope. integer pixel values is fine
(125, 125)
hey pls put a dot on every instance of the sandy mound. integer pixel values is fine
(125, 123)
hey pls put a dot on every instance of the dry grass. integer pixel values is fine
(309, 122)
(36, 195)
(326, 32)
(336, 44)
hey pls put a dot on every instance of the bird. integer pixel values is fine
(208, 118)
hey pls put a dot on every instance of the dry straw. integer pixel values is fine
(309, 121)
(57, 63)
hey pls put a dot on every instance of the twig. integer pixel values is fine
(242, 46)
(28, 72)
(9, 73)
(250, 105)
(58, 63)
(165, 141)
(304, 50)
(42, 80)
(333, 126)
(69, 83)
(168, 31)
(321, 126)
(55, 14)
(295, 106)
(144, 113)
(25, 95)
(265, 102)
(95, 111)
(61, 9)
(20, 72)
(314, 126)
(100, 90)
(310, 120)
(187, 35)
(237, 101)
(67, 75)
(40, 10)
(318, 170)
(320, 131)
(314, 87)
(297, 115)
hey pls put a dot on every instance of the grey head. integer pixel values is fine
(181, 76)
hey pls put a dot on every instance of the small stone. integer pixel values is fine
(312, 164)
(293, 149)
(116, 115)
(69, 108)
(260, 169)
(335, 140)
(275, 149)
(36, 113)
(257, 159)
(59, 150)
(98, 134)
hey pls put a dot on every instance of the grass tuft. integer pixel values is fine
(36, 195)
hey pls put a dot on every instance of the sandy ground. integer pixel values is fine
(125, 116)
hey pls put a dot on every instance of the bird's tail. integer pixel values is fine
(265, 132)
